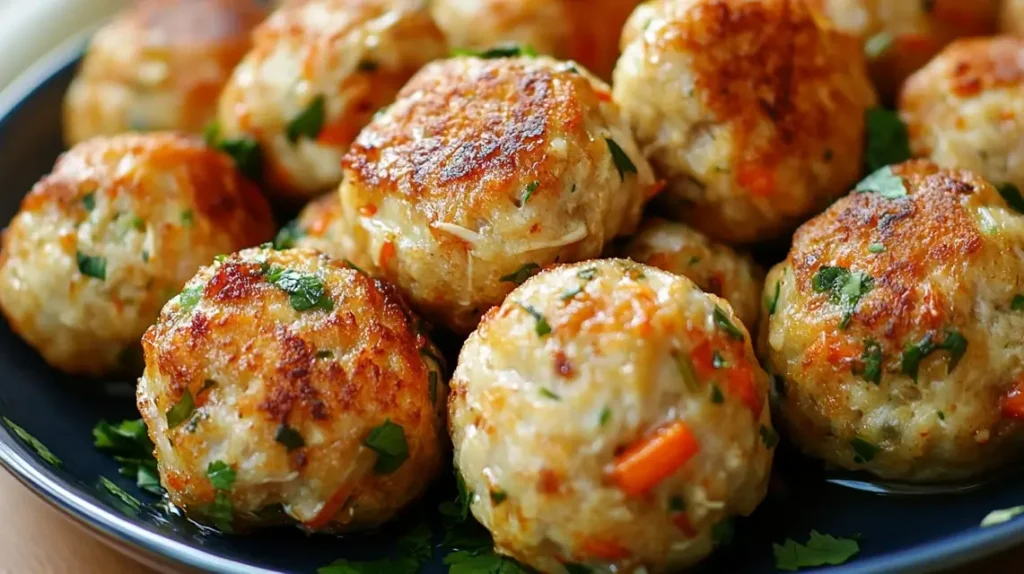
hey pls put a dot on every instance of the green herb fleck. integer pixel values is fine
(686, 371)
(605, 416)
(92, 266)
(549, 394)
(871, 362)
(190, 297)
(716, 395)
(305, 289)
(587, 274)
(888, 141)
(388, 441)
(132, 502)
(221, 512)
(722, 322)
(863, 450)
(844, 288)
(876, 248)
(353, 266)
(324, 354)
(187, 218)
(718, 361)
(1011, 194)
(914, 353)
(528, 191)
(182, 410)
(43, 452)
(883, 182)
(308, 123)
(510, 51)
(772, 302)
(89, 201)
(519, 276)
(769, 436)
(289, 235)
(877, 45)
(367, 66)
(542, 327)
(1018, 303)
(246, 154)
(221, 476)
(129, 444)
(498, 496)
(622, 162)
(289, 437)
(414, 549)
(821, 549)
(941, 415)
(571, 293)
(145, 255)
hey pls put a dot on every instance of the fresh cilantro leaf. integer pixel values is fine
(605, 416)
(289, 437)
(1018, 303)
(182, 410)
(221, 512)
(289, 235)
(623, 164)
(308, 123)
(722, 322)
(43, 452)
(1011, 194)
(877, 45)
(769, 436)
(211, 133)
(353, 266)
(883, 182)
(519, 276)
(888, 141)
(221, 476)
(510, 51)
(956, 344)
(483, 562)
(305, 289)
(187, 218)
(914, 353)
(821, 549)
(132, 502)
(146, 476)
(528, 191)
(587, 274)
(246, 154)
(843, 287)
(871, 362)
(1002, 515)
(549, 394)
(772, 301)
(863, 450)
(128, 442)
(91, 265)
(388, 441)
(414, 549)
(542, 327)
(190, 297)
(876, 248)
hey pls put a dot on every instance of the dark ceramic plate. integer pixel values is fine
(897, 534)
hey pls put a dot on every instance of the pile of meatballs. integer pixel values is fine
(467, 170)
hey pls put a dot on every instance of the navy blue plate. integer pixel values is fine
(897, 534)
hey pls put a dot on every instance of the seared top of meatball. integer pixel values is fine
(176, 23)
(969, 67)
(770, 59)
(463, 130)
(902, 229)
(325, 21)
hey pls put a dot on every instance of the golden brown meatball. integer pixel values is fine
(103, 241)
(580, 30)
(160, 65)
(753, 111)
(610, 414)
(484, 171)
(902, 35)
(715, 268)
(304, 380)
(965, 109)
(317, 72)
(1011, 20)
(319, 226)
(895, 324)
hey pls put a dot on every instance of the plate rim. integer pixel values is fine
(942, 553)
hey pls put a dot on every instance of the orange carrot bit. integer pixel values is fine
(603, 95)
(604, 549)
(337, 134)
(387, 254)
(703, 359)
(368, 210)
(654, 458)
(331, 508)
(682, 522)
(656, 188)
(758, 179)
(1013, 402)
(740, 383)
(917, 43)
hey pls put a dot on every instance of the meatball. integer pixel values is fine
(581, 30)
(714, 267)
(610, 414)
(484, 171)
(1012, 17)
(160, 65)
(317, 72)
(319, 226)
(753, 111)
(308, 381)
(901, 36)
(102, 242)
(965, 109)
(894, 325)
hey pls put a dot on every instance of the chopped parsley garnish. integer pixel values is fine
(187, 218)
(324, 354)
(877, 45)
(914, 353)
(884, 183)
(182, 410)
(769, 436)
(432, 382)
(497, 52)
(289, 437)
(722, 532)
(288, 236)
(686, 371)
(772, 302)
(941, 415)
(571, 293)
(220, 512)
(528, 191)
(1002, 515)
(438, 360)
(353, 266)
(246, 154)
(308, 123)
(145, 256)
(1011, 194)
(92, 266)
(821, 549)
(519, 276)
(722, 322)
(414, 549)
(43, 452)
(845, 288)
(871, 362)
(587, 274)
(388, 441)
(863, 450)
(716, 394)
(211, 133)
(542, 327)
(221, 476)
(623, 164)
(876, 248)
(498, 496)
(1018, 303)
(89, 201)
(605, 416)
(132, 502)
(306, 290)
(888, 141)
(549, 394)
(366, 66)
(190, 297)
(130, 445)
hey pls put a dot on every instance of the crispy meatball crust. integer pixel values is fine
(901, 36)
(581, 363)
(1011, 19)
(715, 268)
(580, 30)
(965, 109)
(253, 365)
(112, 233)
(320, 226)
(160, 65)
(753, 111)
(482, 172)
(937, 272)
(349, 57)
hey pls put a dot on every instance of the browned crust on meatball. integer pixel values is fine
(970, 67)
(485, 124)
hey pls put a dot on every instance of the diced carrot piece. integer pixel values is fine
(337, 134)
(604, 549)
(1013, 402)
(703, 359)
(654, 458)
(758, 179)
(656, 188)
(368, 210)
(916, 43)
(740, 383)
(387, 254)
(326, 514)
